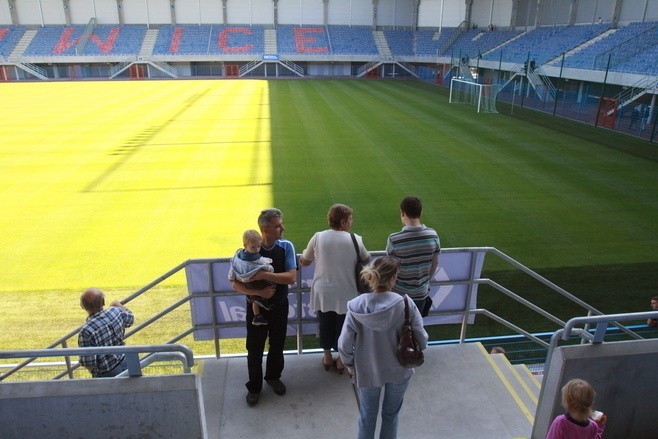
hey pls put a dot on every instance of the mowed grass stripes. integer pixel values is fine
(578, 204)
(113, 183)
(548, 199)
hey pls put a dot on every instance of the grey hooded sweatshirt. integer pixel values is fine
(369, 339)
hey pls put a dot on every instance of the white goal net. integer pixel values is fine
(482, 96)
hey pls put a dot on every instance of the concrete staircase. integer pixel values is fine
(270, 42)
(460, 392)
(381, 43)
(22, 44)
(149, 43)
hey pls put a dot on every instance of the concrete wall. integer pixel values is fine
(624, 376)
(149, 406)
(431, 13)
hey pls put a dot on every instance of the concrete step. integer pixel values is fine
(457, 393)
(517, 382)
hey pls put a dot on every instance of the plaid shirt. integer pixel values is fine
(104, 328)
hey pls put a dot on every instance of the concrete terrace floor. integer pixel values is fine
(460, 392)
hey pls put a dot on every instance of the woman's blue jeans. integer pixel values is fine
(369, 408)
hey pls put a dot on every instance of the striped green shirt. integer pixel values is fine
(414, 247)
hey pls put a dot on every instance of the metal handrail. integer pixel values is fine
(601, 321)
(131, 352)
(163, 356)
(300, 289)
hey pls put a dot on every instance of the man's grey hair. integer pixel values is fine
(267, 215)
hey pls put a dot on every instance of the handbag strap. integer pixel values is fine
(356, 247)
(406, 311)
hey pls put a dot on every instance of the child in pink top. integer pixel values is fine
(579, 422)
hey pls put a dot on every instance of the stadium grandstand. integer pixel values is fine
(594, 61)
(598, 67)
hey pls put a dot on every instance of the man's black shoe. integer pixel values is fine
(278, 386)
(252, 399)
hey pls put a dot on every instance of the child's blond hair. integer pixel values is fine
(251, 236)
(578, 397)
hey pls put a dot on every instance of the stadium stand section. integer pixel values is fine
(400, 41)
(9, 36)
(544, 44)
(238, 40)
(307, 40)
(640, 60)
(479, 41)
(210, 40)
(183, 40)
(104, 40)
(634, 44)
(642, 63)
(352, 40)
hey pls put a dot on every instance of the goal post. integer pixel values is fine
(482, 96)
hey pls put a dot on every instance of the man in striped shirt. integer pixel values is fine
(417, 248)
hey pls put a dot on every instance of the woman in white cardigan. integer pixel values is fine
(368, 347)
(333, 280)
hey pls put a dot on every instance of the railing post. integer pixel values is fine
(134, 368)
(67, 360)
(213, 311)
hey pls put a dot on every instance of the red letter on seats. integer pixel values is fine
(301, 40)
(223, 40)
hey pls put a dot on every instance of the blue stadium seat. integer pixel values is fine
(352, 40)
(183, 40)
(210, 40)
(643, 62)
(479, 41)
(302, 40)
(546, 43)
(400, 41)
(104, 40)
(9, 36)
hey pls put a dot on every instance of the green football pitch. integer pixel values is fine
(111, 184)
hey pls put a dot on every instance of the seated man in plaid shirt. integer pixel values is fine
(104, 327)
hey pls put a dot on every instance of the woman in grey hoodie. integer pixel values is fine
(368, 344)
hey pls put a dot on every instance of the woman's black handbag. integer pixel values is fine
(361, 286)
(409, 353)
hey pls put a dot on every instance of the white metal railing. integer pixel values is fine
(120, 67)
(33, 69)
(409, 68)
(542, 85)
(463, 26)
(165, 68)
(295, 68)
(249, 66)
(300, 288)
(636, 90)
(80, 47)
(131, 352)
(364, 69)
(601, 323)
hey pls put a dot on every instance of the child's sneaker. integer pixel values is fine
(261, 303)
(259, 320)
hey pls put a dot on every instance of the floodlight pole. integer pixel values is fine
(41, 14)
(655, 121)
(525, 74)
(605, 79)
(557, 89)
